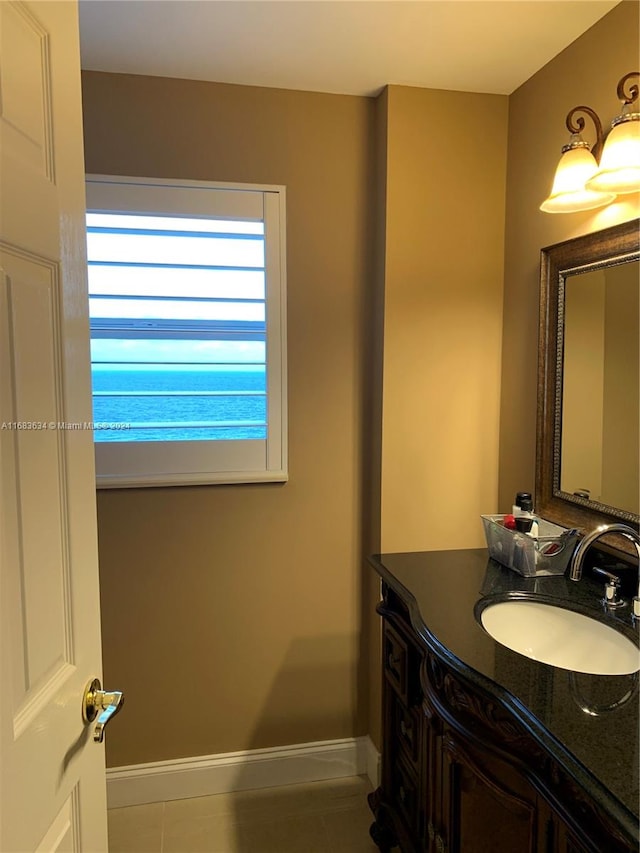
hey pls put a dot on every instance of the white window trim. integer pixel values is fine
(144, 464)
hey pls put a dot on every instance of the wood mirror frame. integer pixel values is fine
(614, 245)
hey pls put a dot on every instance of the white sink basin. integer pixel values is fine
(560, 637)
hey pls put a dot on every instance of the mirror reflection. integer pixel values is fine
(600, 446)
(588, 429)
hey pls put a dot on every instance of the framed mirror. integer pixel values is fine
(588, 419)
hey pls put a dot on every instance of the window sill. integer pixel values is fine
(205, 479)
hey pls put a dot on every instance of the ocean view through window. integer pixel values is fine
(186, 304)
(201, 385)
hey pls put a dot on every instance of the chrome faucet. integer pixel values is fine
(578, 557)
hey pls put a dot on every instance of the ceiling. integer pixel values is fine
(341, 46)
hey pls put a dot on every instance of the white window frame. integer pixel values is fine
(135, 464)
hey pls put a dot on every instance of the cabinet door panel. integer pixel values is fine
(406, 732)
(394, 661)
(482, 812)
(432, 790)
(404, 795)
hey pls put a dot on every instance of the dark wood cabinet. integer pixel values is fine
(460, 774)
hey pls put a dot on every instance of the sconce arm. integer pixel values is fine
(632, 95)
(578, 127)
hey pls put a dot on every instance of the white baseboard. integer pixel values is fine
(373, 764)
(240, 771)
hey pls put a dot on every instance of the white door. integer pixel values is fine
(52, 780)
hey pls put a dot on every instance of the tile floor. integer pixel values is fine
(318, 817)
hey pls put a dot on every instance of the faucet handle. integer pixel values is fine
(611, 598)
(614, 579)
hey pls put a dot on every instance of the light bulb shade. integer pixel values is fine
(568, 194)
(619, 170)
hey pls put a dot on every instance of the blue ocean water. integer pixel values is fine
(156, 403)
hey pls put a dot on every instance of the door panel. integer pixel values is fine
(39, 537)
(26, 108)
(487, 805)
(52, 787)
(62, 836)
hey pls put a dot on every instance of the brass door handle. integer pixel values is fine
(101, 704)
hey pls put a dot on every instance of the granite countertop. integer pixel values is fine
(441, 590)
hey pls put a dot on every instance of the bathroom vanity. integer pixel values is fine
(483, 749)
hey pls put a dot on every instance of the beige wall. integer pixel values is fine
(587, 72)
(231, 615)
(439, 258)
(254, 601)
(445, 188)
(372, 544)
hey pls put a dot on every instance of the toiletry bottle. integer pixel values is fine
(526, 521)
(516, 509)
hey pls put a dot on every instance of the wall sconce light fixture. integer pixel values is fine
(592, 177)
